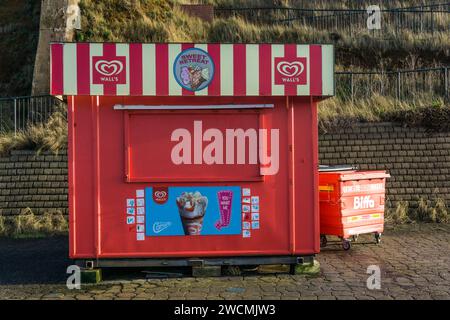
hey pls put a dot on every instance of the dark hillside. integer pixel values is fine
(19, 32)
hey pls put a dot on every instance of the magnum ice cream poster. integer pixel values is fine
(193, 211)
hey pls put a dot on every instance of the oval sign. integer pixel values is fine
(193, 69)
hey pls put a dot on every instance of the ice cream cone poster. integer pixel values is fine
(193, 69)
(194, 211)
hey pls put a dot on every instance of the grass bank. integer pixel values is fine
(163, 21)
(30, 225)
(422, 111)
(51, 136)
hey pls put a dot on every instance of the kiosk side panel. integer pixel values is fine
(81, 176)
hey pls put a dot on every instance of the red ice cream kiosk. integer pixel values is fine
(192, 152)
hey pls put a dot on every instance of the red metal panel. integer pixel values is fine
(57, 78)
(265, 70)
(99, 188)
(162, 67)
(81, 178)
(315, 56)
(239, 72)
(136, 69)
(214, 86)
(150, 131)
(83, 69)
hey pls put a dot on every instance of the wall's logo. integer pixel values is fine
(193, 69)
(160, 195)
(161, 226)
(109, 71)
(290, 71)
(109, 68)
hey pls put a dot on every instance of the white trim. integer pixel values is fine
(193, 107)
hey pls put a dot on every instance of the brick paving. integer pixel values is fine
(414, 262)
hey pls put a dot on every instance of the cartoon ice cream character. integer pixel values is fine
(192, 209)
(185, 76)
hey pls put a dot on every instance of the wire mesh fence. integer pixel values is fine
(17, 113)
(401, 85)
(425, 18)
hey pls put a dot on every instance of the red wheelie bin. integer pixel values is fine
(351, 203)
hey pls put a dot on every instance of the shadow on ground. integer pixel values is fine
(34, 261)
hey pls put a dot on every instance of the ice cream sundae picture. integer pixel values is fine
(193, 69)
(192, 208)
(193, 76)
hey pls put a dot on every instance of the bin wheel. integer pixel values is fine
(323, 240)
(355, 237)
(377, 237)
(346, 244)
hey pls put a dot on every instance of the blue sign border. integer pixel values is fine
(175, 74)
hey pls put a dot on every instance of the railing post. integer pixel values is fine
(446, 88)
(398, 86)
(15, 116)
(432, 18)
(351, 86)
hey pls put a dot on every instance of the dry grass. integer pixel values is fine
(419, 111)
(162, 21)
(435, 211)
(28, 224)
(317, 4)
(399, 214)
(137, 21)
(51, 136)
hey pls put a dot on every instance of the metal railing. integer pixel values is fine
(427, 18)
(401, 84)
(17, 113)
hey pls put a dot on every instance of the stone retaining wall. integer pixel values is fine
(38, 182)
(418, 161)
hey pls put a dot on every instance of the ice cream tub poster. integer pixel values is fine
(193, 211)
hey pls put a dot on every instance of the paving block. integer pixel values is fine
(91, 276)
(206, 271)
(273, 268)
(311, 269)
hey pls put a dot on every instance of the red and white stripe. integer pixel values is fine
(240, 69)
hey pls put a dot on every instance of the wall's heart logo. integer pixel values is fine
(290, 69)
(160, 195)
(109, 68)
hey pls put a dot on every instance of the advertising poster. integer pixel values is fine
(193, 211)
